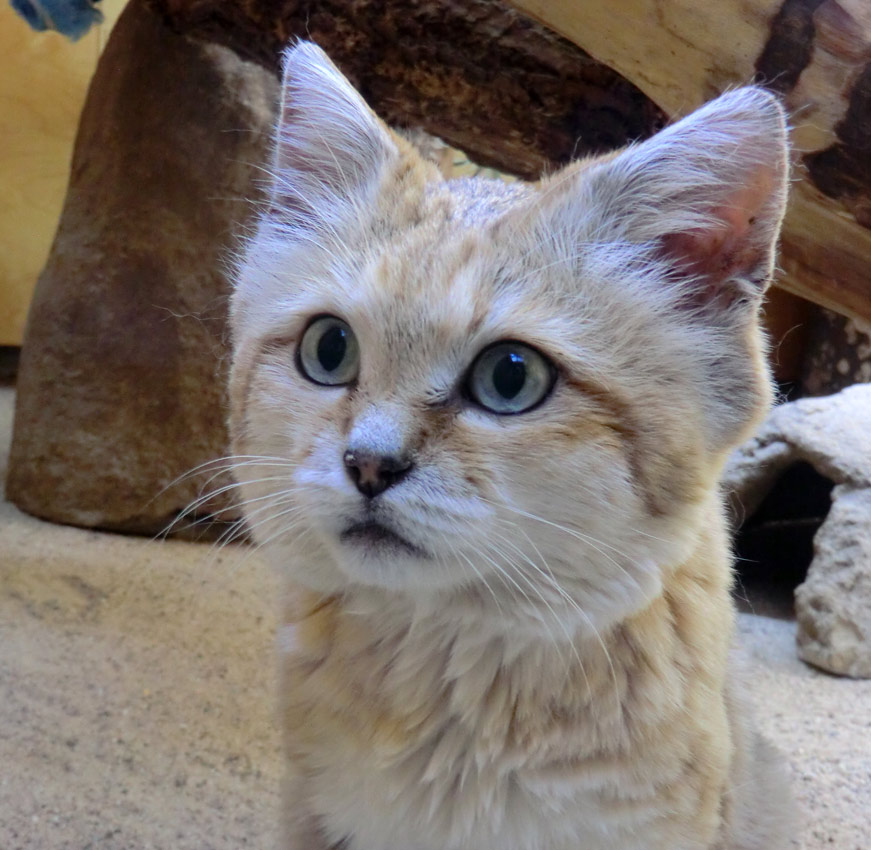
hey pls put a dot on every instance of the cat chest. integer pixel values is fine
(403, 746)
(425, 778)
(371, 806)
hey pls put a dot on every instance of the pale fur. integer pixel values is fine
(556, 675)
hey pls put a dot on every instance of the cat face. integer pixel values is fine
(517, 396)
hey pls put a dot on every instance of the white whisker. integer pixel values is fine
(569, 638)
(548, 575)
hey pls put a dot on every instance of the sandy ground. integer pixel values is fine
(136, 695)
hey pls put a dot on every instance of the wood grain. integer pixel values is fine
(525, 86)
(816, 54)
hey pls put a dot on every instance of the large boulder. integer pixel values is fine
(833, 435)
(121, 387)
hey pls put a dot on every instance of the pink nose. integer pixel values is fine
(372, 474)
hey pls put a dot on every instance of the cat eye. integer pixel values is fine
(328, 353)
(510, 377)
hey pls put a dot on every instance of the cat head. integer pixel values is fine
(511, 393)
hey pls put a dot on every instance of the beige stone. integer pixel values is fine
(833, 606)
(833, 434)
(122, 379)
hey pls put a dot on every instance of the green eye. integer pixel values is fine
(328, 352)
(510, 377)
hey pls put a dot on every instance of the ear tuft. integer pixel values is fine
(330, 148)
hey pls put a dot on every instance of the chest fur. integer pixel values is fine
(424, 739)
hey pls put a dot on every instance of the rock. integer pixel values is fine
(833, 434)
(121, 387)
(833, 606)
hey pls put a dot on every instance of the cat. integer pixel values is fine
(479, 428)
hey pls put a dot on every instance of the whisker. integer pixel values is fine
(592, 542)
(550, 577)
(211, 494)
(229, 462)
(556, 618)
(255, 549)
(224, 465)
(274, 500)
(457, 552)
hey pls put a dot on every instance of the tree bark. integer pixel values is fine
(525, 89)
(485, 78)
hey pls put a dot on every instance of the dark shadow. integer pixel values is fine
(774, 546)
(9, 356)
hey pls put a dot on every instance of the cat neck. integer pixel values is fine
(520, 619)
(394, 649)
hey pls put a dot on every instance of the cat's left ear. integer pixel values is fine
(707, 195)
(331, 150)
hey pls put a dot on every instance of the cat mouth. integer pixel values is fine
(374, 535)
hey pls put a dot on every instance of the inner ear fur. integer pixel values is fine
(705, 196)
(331, 149)
(733, 254)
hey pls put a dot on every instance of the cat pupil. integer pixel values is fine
(332, 347)
(509, 375)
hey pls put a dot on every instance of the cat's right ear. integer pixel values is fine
(331, 150)
(703, 199)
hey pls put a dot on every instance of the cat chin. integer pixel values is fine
(333, 562)
(372, 538)
(394, 569)
(440, 587)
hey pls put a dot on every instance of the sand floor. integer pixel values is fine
(137, 693)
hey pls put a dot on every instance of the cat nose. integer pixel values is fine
(372, 473)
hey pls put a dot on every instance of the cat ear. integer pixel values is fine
(330, 148)
(707, 195)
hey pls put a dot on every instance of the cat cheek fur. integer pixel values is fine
(559, 676)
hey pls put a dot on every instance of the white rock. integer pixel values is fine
(833, 434)
(833, 605)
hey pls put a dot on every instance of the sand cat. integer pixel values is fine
(480, 428)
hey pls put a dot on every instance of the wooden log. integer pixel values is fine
(787, 320)
(515, 95)
(511, 93)
(815, 53)
(837, 354)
